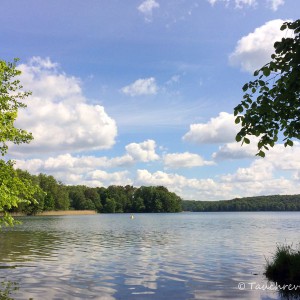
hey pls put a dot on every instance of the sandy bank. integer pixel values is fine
(59, 213)
(66, 213)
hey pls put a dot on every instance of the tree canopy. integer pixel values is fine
(13, 190)
(113, 199)
(11, 96)
(258, 203)
(271, 102)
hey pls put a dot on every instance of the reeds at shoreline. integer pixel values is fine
(59, 213)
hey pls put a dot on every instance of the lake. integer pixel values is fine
(153, 256)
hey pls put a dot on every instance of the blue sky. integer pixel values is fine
(142, 92)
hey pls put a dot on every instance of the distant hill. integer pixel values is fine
(260, 203)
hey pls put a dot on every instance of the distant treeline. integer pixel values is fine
(260, 203)
(54, 195)
(114, 199)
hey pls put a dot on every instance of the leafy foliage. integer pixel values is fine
(53, 195)
(57, 196)
(13, 190)
(127, 199)
(11, 95)
(271, 103)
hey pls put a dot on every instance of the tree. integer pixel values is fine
(271, 103)
(118, 193)
(49, 203)
(34, 206)
(11, 95)
(77, 197)
(56, 192)
(13, 190)
(110, 206)
(92, 195)
(137, 204)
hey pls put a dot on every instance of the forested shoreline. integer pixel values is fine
(54, 195)
(259, 203)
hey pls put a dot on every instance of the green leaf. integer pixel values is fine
(246, 141)
(256, 72)
(261, 153)
(245, 87)
(238, 138)
(238, 109)
(283, 27)
(266, 71)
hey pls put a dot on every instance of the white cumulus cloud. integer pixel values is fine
(87, 170)
(58, 114)
(254, 50)
(143, 152)
(235, 150)
(274, 174)
(188, 188)
(184, 160)
(103, 178)
(147, 7)
(140, 87)
(221, 129)
(277, 173)
(72, 169)
(257, 172)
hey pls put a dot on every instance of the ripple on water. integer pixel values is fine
(155, 256)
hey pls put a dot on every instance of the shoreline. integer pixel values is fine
(58, 213)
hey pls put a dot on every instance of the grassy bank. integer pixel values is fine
(285, 266)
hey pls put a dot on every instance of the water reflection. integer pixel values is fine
(22, 246)
(155, 256)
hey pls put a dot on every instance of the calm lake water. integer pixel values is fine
(153, 256)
